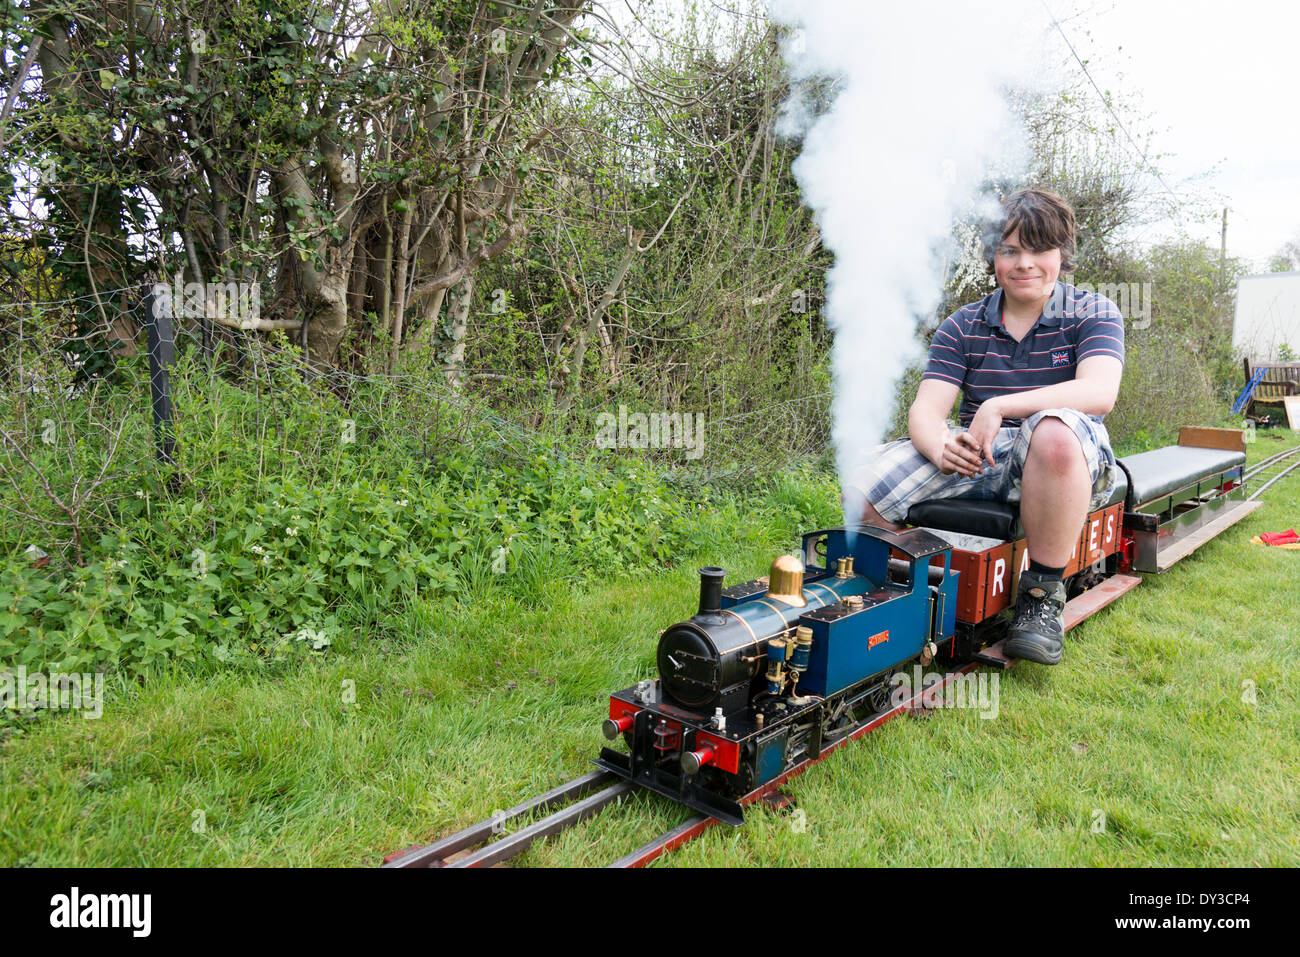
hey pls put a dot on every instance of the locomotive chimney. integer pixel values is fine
(711, 590)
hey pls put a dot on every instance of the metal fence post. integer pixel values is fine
(162, 353)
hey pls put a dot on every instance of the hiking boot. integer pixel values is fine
(1038, 631)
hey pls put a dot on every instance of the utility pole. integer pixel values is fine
(1223, 251)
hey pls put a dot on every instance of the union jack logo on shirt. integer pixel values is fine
(1060, 358)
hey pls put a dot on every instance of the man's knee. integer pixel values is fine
(1054, 446)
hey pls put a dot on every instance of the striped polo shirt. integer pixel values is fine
(972, 349)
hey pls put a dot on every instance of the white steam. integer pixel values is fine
(918, 122)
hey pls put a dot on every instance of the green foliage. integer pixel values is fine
(176, 584)
(1179, 366)
(280, 519)
(717, 312)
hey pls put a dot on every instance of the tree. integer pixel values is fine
(1287, 258)
(359, 161)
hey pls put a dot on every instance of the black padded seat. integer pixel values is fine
(1161, 471)
(986, 519)
(968, 516)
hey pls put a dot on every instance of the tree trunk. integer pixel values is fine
(602, 306)
(454, 368)
(399, 283)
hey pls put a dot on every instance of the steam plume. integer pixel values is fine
(918, 120)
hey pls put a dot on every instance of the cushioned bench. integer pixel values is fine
(1163, 471)
(1144, 477)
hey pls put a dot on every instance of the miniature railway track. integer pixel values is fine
(1272, 468)
(483, 851)
(442, 853)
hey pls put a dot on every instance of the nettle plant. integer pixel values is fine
(266, 577)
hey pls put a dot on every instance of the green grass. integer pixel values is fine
(461, 708)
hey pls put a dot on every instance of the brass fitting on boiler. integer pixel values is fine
(785, 581)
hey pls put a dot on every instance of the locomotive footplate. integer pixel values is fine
(677, 787)
(741, 756)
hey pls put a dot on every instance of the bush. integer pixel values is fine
(262, 578)
(294, 504)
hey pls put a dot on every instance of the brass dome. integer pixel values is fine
(785, 581)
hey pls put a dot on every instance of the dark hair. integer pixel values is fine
(1045, 221)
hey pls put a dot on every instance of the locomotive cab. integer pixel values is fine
(910, 604)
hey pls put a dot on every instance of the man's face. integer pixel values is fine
(1026, 278)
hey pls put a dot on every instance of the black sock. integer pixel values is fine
(1046, 573)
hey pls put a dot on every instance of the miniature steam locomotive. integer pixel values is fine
(769, 673)
(766, 672)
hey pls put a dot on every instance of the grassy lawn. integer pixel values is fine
(432, 717)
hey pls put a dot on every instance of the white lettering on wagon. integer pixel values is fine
(1093, 527)
(999, 569)
(1110, 529)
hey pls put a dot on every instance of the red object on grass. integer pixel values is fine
(1289, 537)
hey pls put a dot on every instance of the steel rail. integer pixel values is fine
(494, 852)
(1265, 463)
(1286, 471)
(507, 847)
(436, 854)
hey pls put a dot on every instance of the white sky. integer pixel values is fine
(1221, 84)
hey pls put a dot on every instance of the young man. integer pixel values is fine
(1038, 363)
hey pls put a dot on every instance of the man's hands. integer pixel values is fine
(960, 454)
(967, 451)
(928, 429)
(984, 427)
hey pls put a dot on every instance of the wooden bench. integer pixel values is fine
(1281, 379)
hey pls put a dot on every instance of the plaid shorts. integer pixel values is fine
(898, 476)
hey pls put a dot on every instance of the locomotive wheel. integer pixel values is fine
(836, 721)
(879, 700)
(1076, 585)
